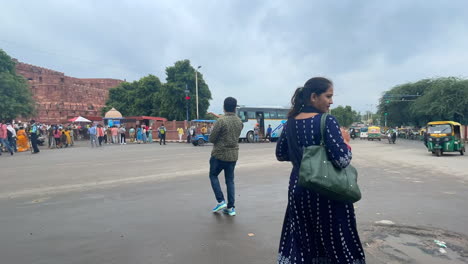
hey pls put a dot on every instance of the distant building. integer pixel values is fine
(59, 97)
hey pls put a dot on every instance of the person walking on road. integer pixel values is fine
(34, 132)
(256, 133)
(100, 134)
(162, 134)
(4, 138)
(316, 229)
(268, 133)
(11, 134)
(225, 137)
(92, 131)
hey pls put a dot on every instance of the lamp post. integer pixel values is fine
(187, 98)
(196, 87)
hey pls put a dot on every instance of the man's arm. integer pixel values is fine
(216, 132)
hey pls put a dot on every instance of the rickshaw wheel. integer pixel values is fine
(201, 142)
(438, 153)
(462, 151)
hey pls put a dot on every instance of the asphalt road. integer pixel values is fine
(151, 204)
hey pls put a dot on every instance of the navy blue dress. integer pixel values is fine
(316, 229)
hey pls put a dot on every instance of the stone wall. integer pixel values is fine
(59, 97)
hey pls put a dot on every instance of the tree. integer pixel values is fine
(424, 101)
(148, 96)
(136, 98)
(15, 96)
(345, 115)
(180, 76)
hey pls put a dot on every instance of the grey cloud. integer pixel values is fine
(257, 51)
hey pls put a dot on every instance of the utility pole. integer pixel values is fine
(187, 98)
(196, 87)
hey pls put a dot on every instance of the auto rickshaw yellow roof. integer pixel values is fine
(373, 127)
(444, 123)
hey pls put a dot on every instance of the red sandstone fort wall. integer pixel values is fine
(59, 97)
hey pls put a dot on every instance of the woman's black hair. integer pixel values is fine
(301, 97)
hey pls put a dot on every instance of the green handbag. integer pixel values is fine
(317, 172)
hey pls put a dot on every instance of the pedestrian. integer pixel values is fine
(34, 133)
(316, 229)
(131, 133)
(100, 134)
(4, 138)
(122, 131)
(68, 136)
(268, 134)
(115, 135)
(11, 135)
(57, 134)
(109, 135)
(23, 141)
(92, 131)
(256, 133)
(225, 137)
(63, 138)
(180, 132)
(143, 134)
(139, 135)
(72, 135)
(162, 134)
(50, 136)
(150, 135)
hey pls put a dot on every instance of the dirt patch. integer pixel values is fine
(418, 245)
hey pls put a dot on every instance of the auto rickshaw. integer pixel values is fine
(363, 132)
(201, 137)
(374, 133)
(444, 136)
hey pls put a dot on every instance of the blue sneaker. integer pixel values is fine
(230, 211)
(219, 206)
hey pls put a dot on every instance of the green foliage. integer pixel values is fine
(148, 96)
(15, 96)
(345, 115)
(439, 99)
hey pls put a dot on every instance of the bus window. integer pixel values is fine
(251, 115)
(273, 115)
(267, 115)
(281, 115)
(242, 116)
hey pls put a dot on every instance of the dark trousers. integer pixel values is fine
(12, 142)
(162, 138)
(122, 138)
(216, 166)
(100, 139)
(5, 144)
(34, 142)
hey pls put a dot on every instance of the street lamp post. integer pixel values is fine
(187, 98)
(196, 88)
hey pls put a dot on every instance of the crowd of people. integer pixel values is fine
(20, 137)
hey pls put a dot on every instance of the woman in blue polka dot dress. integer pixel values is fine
(316, 229)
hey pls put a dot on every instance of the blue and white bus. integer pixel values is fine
(263, 116)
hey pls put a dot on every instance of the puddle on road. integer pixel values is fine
(404, 244)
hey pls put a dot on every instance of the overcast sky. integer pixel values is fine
(256, 51)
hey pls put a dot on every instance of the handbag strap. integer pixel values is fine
(323, 120)
(295, 152)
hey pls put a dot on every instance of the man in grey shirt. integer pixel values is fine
(225, 136)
